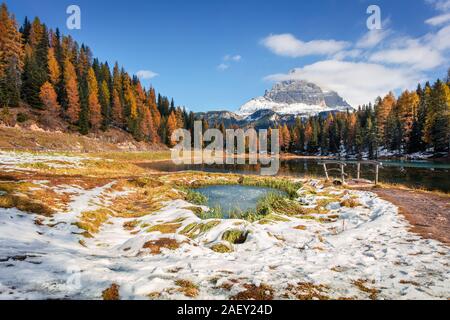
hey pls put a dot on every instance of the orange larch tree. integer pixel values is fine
(49, 98)
(95, 109)
(73, 99)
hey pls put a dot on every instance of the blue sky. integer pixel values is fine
(218, 54)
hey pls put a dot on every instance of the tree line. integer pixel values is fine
(47, 71)
(44, 70)
(416, 121)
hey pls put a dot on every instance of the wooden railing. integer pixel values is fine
(342, 165)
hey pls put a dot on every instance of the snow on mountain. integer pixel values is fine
(296, 97)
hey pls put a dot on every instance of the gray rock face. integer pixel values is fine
(332, 99)
(292, 91)
(300, 91)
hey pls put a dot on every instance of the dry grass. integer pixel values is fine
(138, 156)
(194, 230)
(165, 228)
(362, 286)
(306, 291)
(235, 236)
(91, 221)
(111, 293)
(221, 248)
(350, 203)
(252, 292)
(188, 288)
(386, 185)
(130, 225)
(156, 245)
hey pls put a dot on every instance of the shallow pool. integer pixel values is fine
(233, 199)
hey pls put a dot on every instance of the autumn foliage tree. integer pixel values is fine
(172, 125)
(95, 109)
(49, 99)
(11, 59)
(71, 87)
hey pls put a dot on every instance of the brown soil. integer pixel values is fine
(428, 213)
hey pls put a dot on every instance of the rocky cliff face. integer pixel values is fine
(285, 102)
(296, 97)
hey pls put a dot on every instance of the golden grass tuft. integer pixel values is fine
(350, 203)
(235, 236)
(253, 292)
(188, 288)
(165, 228)
(362, 286)
(306, 291)
(111, 293)
(156, 245)
(221, 248)
(91, 221)
(194, 230)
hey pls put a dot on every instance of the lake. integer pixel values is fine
(233, 199)
(420, 174)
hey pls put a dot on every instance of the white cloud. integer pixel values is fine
(440, 40)
(372, 38)
(235, 58)
(357, 82)
(223, 67)
(288, 45)
(353, 54)
(378, 62)
(442, 5)
(146, 74)
(438, 20)
(412, 53)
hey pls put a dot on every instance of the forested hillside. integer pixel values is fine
(46, 73)
(416, 121)
(52, 75)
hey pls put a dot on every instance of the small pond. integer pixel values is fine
(233, 199)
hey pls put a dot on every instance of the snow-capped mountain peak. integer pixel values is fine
(296, 97)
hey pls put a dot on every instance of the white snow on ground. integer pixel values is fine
(13, 160)
(372, 243)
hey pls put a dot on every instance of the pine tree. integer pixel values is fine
(71, 88)
(95, 109)
(416, 142)
(36, 64)
(286, 142)
(11, 59)
(156, 115)
(53, 67)
(437, 124)
(382, 110)
(171, 127)
(49, 99)
(407, 106)
(117, 110)
(105, 100)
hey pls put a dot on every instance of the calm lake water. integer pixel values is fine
(235, 198)
(424, 174)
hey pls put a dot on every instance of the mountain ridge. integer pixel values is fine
(286, 101)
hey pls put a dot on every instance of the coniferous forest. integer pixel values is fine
(44, 70)
(416, 121)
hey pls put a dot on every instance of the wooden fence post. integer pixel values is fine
(377, 170)
(326, 171)
(359, 171)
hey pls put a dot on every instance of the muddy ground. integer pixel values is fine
(428, 213)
